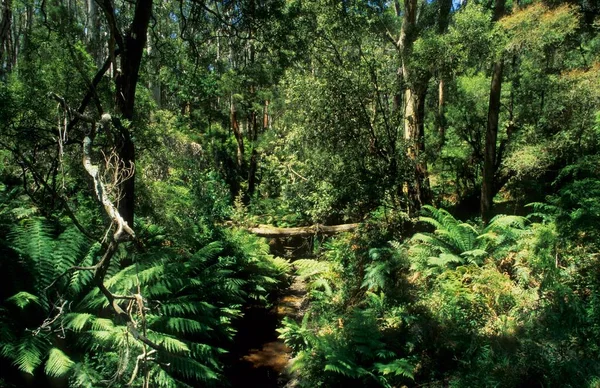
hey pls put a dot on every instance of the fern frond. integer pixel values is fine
(28, 353)
(444, 259)
(178, 325)
(80, 279)
(504, 221)
(182, 308)
(23, 299)
(192, 369)
(170, 343)
(84, 376)
(78, 321)
(33, 238)
(58, 364)
(398, 367)
(208, 252)
(68, 249)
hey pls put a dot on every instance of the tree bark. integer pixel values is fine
(491, 134)
(235, 126)
(304, 231)
(415, 81)
(441, 119)
(253, 165)
(414, 134)
(131, 47)
(443, 21)
(6, 37)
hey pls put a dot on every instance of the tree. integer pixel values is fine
(127, 43)
(491, 134)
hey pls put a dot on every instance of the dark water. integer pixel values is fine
(260, 359)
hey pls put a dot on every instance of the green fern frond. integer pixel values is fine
(178, 325)
(192, 369)
(398, 367)
(102, 324)
(504, 221)
(207, 353)
(183, 307)
(33, 238)
(23, 299)
(476, 253)
(431, 221)
(170, 343)
(163, 380)
(209, 251)
(78, 321)
(115, 337)
(444, 259)
(433, 241)
(69, 247)
(307, 267)
(321, 283)
(80, 279)
(126, 277)
(84, 376)
(27, 354)
(58, 363)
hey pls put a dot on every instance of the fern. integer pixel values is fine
(398, 367)
(455, 243)
(58, 363)
(23, 298)
(27, 354)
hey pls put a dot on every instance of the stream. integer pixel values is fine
(260, 359)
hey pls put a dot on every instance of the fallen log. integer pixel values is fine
(303, 231)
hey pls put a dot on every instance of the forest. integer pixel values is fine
(419, 180)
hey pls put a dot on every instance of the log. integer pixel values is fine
(303, 231)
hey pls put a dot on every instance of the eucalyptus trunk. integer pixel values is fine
(491, 134)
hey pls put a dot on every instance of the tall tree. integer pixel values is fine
(128, 44)
(415, 82)
(6, 54)
(491, 134)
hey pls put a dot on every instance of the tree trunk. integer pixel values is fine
(154, 73)
(235, 126)
(6, 37)
(445, 7)
(441, 119)
(491, 134)
(414, 103)
(414, 134)
(131, 47)
(253, 166)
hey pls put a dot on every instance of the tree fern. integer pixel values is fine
(456, 243)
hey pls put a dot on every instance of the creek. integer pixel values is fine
(259, 358)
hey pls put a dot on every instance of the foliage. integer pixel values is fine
(293, 113)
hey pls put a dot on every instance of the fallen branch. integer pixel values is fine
(302, 231)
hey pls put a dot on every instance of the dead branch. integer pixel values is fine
(100, 188)
(303, 231)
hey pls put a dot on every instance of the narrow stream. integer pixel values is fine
(260, 358)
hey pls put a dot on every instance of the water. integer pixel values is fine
(260, 359)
